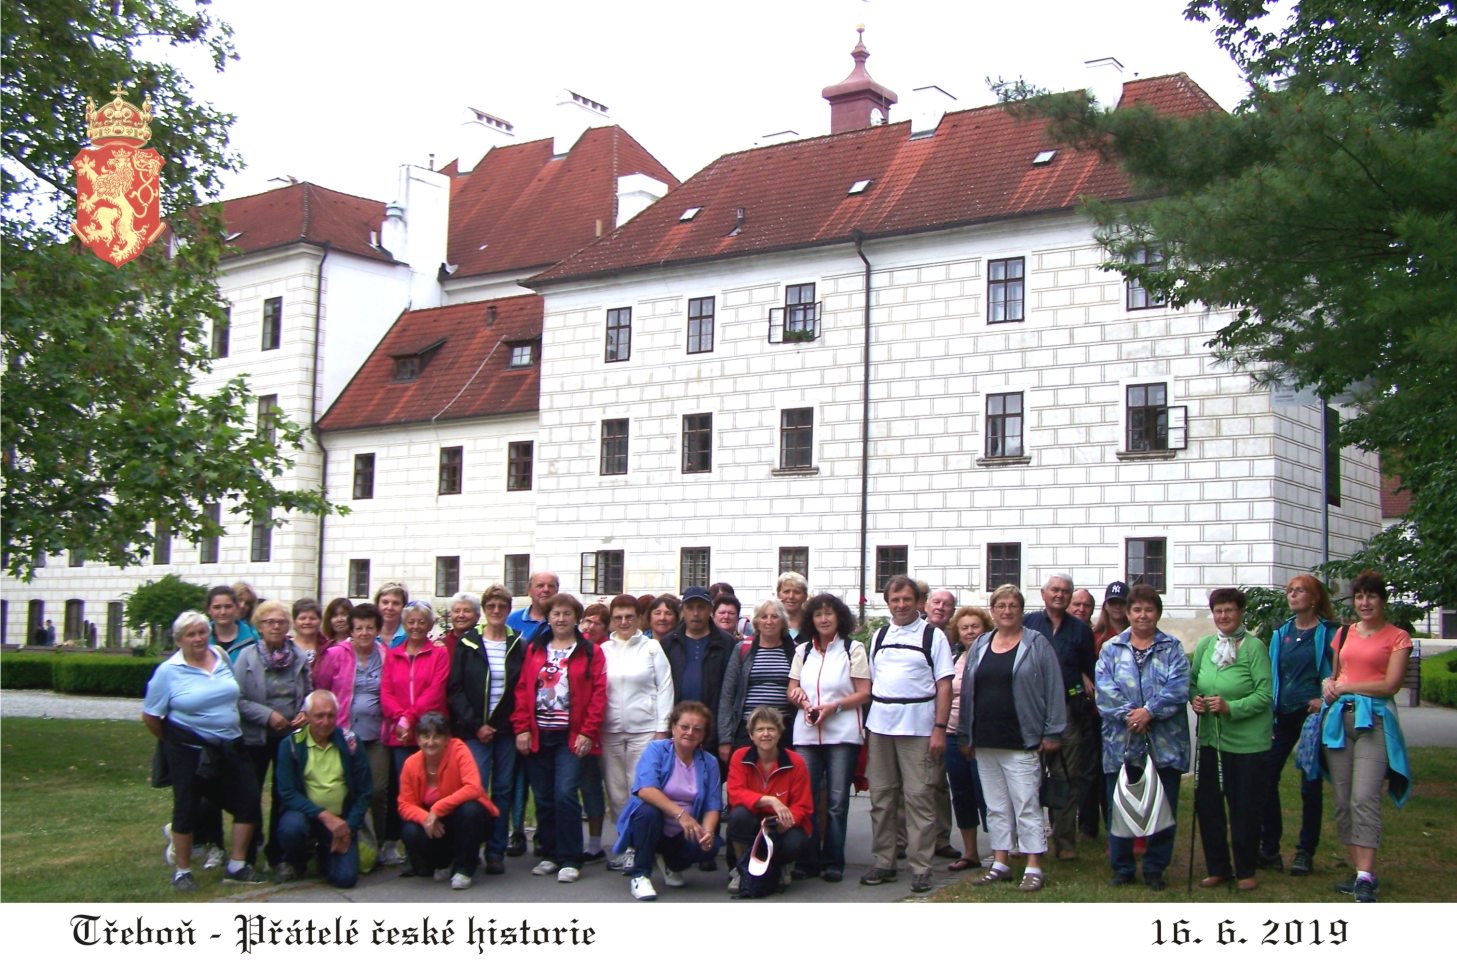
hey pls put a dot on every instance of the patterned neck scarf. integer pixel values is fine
(1227, 647)
(276, 660)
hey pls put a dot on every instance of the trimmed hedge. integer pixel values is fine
(1439, 679)
(82, 673)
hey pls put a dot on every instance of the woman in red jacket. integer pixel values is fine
(561, 698)
(443, 808)
(411, 684)
(768, 786)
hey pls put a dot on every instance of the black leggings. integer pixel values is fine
(231, 783)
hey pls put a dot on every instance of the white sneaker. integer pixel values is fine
(568, 875)
(670, 878)
(442, 874)
(642, 889)
(623, 861)
(544, 868)
(733, 885)
(215, 859)
(389, 855)
(459, 882)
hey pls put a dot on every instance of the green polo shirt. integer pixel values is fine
(324, 776)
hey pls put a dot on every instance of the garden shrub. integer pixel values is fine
(1439, 679)
(21, 671)
(102, 675)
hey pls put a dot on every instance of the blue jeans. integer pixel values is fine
(645, 837)
(831, 769)
(594, 800)
(1160, 850)
(556, 779)
(496, 763)
(1286, 738)
(294, 833)
(966, 795)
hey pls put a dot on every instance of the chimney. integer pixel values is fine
(1104, 76)
(858, 101)
(928, 105)
(574, 115)
(414, 231)
(478, 134)
(635, 193)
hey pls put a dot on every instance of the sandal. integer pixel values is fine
(1213, 880)
(1030, 882)
(963, 864)
(992, 877)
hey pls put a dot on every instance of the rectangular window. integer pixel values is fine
(796, 438)
(700, 325)
(73, 624)
(1332, 457)
(890, 560)
(207, 548)
(518, 574)
(1005, 279)
(1004, 425)
(619, 335)
(602, 573)
(358, 577)
(406, 369)
(614, 448)
(518, 465)
(447, 576)
(795, 559)
(162, 544)
(1140, 297)
(1148, 417)
(114, 613)
(1004, 565)
(522, 355)
(693, 567)
(801, 320)
(262, 543)
(272, 322)
(267, 417)
(363, 477)
(1147, 562)
(697, 443)
(451, 466)
(221, 332)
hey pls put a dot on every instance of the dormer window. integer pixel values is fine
(409, 365)
(522, 355)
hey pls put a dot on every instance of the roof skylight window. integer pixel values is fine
(688, 213)
(1045, 156)
(859, 186)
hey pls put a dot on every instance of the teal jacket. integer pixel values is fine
(1325, 634)
(293, 756)
(1367, 708)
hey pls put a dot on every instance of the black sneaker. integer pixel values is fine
(1270, 862)
(184, 883)
(1120, 880)
(495, 864)
(516, 846)
(596, 857)
(1365, 890)
(243, 875)
(1154, 882)
(1346, 887)
(1300, 865)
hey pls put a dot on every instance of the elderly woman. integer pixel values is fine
(227, 630)
(663, 613)
(352, 670)
(768, 785)
(792, 588)
(756, 676)
(482, 694)
(1361, 736)
(674, 809)
(639, 702)
(595, 619)
(561, 698)
(191, 706)
(1143, 690)
(308, 634)
(829, 683)
(444, 811)
(1012, 710)
(464, 614)
(412, 683)
(1231, 690)
(390, 599)
(337, 622)
(1300, 658)
(273, 676)
(967, 625)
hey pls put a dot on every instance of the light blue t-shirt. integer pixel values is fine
(206, 703)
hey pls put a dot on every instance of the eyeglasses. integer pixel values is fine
(497, 606)
(273, 621)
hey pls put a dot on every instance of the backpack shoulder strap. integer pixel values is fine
(928, 636)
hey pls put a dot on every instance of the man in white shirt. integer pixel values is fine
(911, 671)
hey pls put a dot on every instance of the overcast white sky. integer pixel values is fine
(328, 93)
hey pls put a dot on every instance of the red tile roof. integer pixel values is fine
(522, 209)
(1395, 500)
(305, 212)
(976, 168)
(466, 376)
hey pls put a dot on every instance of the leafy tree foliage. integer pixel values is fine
(104, 426)
(154, 606)
(1322, 210)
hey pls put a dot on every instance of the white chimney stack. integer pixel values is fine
(415, 228)
(635, 193)
(1104, 77)
(478, 134)
(575, 113)
(928, 105)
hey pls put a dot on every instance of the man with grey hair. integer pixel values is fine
(530, 618)
(940, 605)
(325, 785)
(1072, 640)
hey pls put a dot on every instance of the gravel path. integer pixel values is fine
(39, 704)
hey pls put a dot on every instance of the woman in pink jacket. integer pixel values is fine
(412, 683)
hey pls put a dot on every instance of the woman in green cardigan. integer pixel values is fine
(1232, 690)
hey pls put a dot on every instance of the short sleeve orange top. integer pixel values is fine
(1365, 659)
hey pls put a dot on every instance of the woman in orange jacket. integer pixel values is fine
(443, 810)
(768, 786)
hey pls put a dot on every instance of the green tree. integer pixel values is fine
(1322, 210)
(103, 425)
(154, 606)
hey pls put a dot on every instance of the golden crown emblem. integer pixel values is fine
(119, 119)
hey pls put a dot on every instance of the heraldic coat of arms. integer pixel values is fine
(117, 184)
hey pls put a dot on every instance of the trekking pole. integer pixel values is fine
(1194, 825)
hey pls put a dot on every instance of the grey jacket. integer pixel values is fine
(734, 694)
(1037, 690)
(253, 691)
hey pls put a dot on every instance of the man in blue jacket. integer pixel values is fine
(325, 785)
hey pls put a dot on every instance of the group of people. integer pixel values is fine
(693, 729)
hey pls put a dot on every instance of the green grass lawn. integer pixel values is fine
(81, 823)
